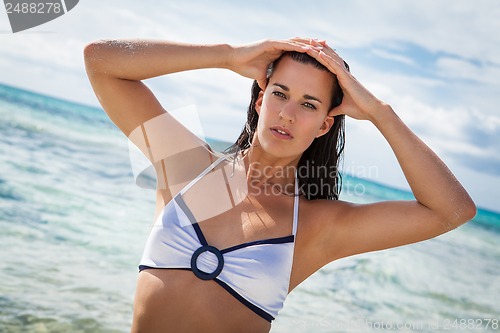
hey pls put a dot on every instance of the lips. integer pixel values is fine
(281, 132)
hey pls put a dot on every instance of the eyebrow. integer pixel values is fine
(306, 96)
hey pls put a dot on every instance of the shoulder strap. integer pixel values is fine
(296, 206)
(201, 175)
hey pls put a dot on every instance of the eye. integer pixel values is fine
(279, 94)
(309, 106)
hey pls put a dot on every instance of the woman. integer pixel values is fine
(230, 242)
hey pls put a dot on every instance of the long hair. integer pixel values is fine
(318, 168)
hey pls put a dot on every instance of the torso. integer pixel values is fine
(176, 300)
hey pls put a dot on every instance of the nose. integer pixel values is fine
(287, 112)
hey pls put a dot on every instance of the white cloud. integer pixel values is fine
(391, 56)
(448, 123)
(458, 27)
(461, 69)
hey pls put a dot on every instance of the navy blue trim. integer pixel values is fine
(201, 237)
(182, 205)
(278, 240)
(248, 304)
(190, 216)
(261, 313)
(143, 267)
(194, 263)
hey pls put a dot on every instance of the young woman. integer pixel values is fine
(230, 242)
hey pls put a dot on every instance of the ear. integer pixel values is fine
(325, 126)
(258, 102)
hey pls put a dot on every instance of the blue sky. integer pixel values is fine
(436, 62)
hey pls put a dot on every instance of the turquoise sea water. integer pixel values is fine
(73, 225)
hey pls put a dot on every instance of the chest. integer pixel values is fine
(251, 219)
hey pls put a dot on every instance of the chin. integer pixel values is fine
(279, 149)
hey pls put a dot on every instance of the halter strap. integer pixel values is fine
(219, 160)
(201, 175)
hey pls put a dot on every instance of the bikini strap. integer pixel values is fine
(296, 206)
(220, 159)
(201, 175)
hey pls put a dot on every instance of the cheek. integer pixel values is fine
(311, 123)
(270, 104)
(269, 111)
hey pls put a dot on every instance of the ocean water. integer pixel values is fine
(73, 224)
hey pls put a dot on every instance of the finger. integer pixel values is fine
(290, 45)
(333, 62)
(319, 44)
(262, 82)
(307, 41)
(324, 59)
(344, 77)
(340, 59)
(315, 46)
(301, 40)
(333, 52)
(324, 43)
(337, 111)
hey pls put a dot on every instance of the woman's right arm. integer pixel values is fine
(116, 67)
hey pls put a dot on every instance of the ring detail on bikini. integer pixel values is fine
(205, 251)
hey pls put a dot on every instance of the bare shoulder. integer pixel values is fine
(316, 215)
(175, 172)
(319, 222)
(330, 230)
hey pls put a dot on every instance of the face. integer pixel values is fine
(293, 108)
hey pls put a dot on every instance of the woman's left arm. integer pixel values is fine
(441, 205)
(432, 183)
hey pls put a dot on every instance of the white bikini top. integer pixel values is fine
(256, 273)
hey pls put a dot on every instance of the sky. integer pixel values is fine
(437, 63)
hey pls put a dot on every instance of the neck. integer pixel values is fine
(264, 169)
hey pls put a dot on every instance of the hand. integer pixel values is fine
(252, 60)
(358, 102)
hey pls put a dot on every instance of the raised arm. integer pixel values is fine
(441, 204)
(116, 67)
